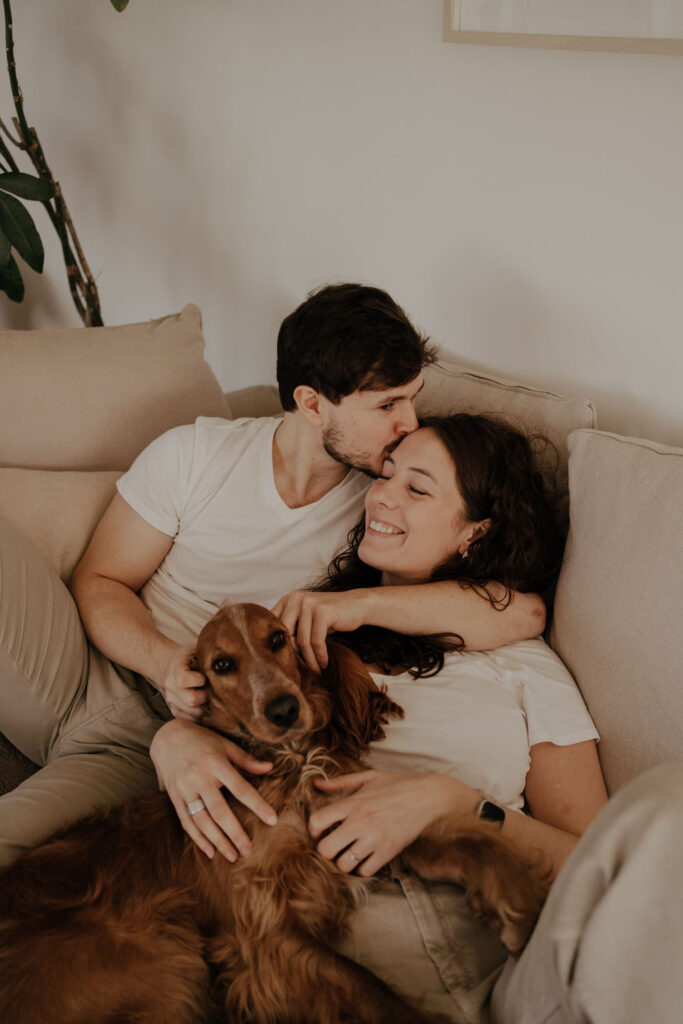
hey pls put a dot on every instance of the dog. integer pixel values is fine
(120, 919)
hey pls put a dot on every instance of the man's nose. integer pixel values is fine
(407, 422)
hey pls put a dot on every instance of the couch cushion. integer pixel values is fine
(450, 387)
(258, 400)
(617, 618)
(57, 511)
(92, 398)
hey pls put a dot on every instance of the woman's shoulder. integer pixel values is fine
(511, 665)
(526, 654)
(524, 664)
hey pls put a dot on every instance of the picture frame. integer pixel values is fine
(639, 26)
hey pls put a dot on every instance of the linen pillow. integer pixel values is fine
(57, 511)
(258, 400)
(617, 617)
(93, 398)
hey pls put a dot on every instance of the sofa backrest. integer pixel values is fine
(93, 398)
(617, 616)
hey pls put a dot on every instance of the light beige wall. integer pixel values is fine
(525, 206)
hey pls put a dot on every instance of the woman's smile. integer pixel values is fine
(382, 527)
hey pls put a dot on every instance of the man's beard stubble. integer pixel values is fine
(354, 459)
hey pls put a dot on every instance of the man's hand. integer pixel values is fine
(382, 813)
(194, 763)
(310, 615)
(184, 687)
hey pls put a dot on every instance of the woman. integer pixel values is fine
(458, 499)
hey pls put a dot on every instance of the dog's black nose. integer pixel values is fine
(283, 711)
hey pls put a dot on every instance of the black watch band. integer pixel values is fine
(488, 811)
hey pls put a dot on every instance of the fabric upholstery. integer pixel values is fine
(56, 510)
(617, 617)
(258, 400)
(92, 398)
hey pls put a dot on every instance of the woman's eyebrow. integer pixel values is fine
(416, 469)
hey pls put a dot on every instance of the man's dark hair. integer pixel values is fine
(345, 337)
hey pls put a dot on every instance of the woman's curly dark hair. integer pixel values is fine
(495, 469)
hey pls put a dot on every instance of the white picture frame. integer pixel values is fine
(623, 26)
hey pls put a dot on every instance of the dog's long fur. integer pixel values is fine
(121, 920)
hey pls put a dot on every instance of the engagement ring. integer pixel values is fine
(195, 806)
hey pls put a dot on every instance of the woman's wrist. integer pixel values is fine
(454, 800)
(367, 600)
(374, 606)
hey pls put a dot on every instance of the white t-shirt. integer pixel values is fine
(210, 486)
(478, 718)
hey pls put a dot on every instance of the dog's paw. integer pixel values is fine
(515, 929)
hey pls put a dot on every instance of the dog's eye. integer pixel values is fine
(222, 666)
(277, 640)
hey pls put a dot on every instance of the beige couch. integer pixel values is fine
(76, 406)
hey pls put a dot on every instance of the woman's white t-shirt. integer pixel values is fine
(478, 718)
(210, 486)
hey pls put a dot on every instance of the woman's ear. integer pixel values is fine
(308, 402)
(478, 530)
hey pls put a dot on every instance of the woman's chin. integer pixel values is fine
(392, 575)
(376, 555)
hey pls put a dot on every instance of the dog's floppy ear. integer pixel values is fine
(204, 645)
(360, 708)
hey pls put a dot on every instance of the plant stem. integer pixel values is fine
(81, 282)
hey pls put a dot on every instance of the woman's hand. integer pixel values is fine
(382, 815)
(193, 763)
(183, 686)
(310, 615)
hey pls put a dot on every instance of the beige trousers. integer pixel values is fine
(86, 722)
(608, 947)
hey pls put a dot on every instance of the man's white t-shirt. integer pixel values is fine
(478, 718)
(210, 486)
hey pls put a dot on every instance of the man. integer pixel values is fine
(249, 509)
(252, 509)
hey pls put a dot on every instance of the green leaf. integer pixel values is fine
(26, 186)
(5, 250)
(11, 282)
(120, 5)
(17, 223)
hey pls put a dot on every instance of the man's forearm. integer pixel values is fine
(446, 607)
(120, 626)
